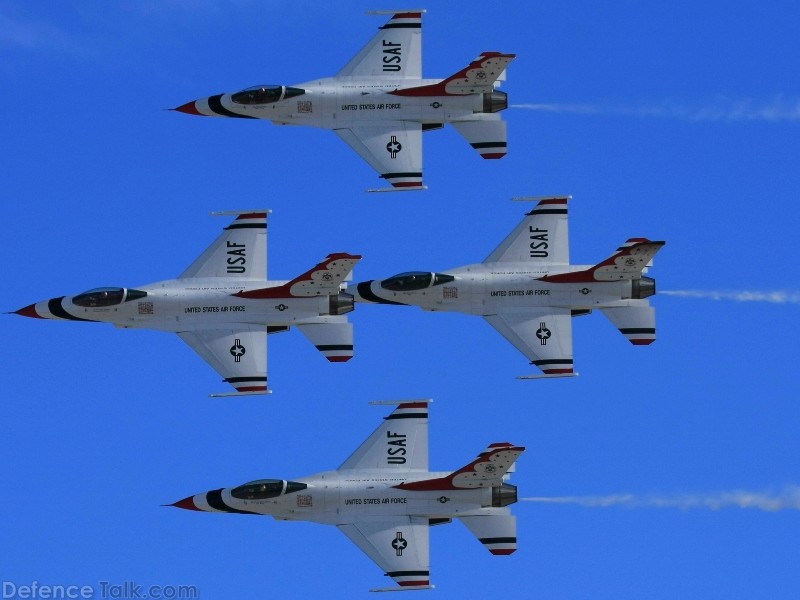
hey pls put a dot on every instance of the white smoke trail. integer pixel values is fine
(724, 109)
(788, 499)
(775, 297)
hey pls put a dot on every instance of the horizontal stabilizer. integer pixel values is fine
(324, 279)
(627, 263)
(476, 78)
(334, 340)
(488, 137)
(637, 323)
(497, 532)
(485, 471)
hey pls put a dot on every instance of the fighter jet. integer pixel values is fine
(528, 290)
(224, 307)
(384, 498)
(380, 104)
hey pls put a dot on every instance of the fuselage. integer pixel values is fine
(334, 498)
(185, 305)
(341, 102)
(489, 288)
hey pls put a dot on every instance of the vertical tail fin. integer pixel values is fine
(321, 280)
(485, 471)
(477, 77)
(628, 262)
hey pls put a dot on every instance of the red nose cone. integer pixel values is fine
(187, 503)
(28, 311)
(189, 108)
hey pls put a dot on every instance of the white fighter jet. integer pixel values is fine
(224, 307)
(528, 290)
(379, 103)
(385, 499)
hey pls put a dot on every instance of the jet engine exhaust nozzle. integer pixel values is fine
(643, 288)
(504, 495)
(495, 102)
(341, 303)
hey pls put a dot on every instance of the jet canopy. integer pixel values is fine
(262, 489)
(106, 296)
(415, 280)
(266, 94)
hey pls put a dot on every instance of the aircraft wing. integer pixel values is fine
(394, 52)
(400, 443)
(240, 251)
(399, 545)
(238, 355)
(542, 238)
(392, 148)
(544, 336)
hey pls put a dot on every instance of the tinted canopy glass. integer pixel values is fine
(407, 282)
(106, 296)
(266, 488)
(414, 280)
(265, 94)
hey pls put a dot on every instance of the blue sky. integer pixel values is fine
(676, 121)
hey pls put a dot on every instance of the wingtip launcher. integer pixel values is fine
(404, 589)
(547, 375)
(229, 394)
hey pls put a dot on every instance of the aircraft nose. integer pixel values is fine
(187, 504)
(190, 108)
(29, 311)
(358, 290)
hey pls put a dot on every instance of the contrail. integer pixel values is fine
(723, 109)
(788, 499)
(775, 297)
